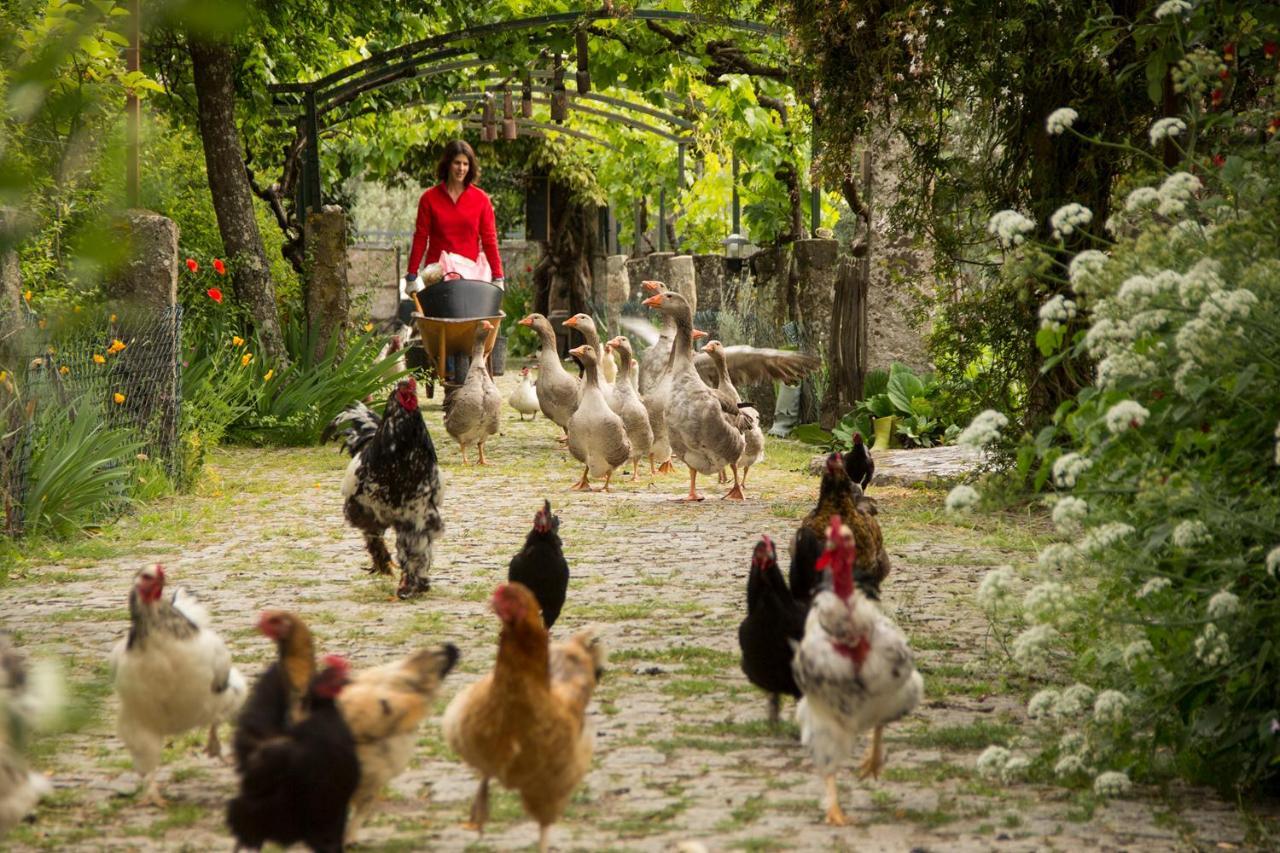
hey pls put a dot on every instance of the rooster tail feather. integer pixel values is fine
(360, 424)
(185, 602)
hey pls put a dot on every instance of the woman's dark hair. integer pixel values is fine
(451, 151)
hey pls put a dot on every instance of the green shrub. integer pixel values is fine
(1162, 598)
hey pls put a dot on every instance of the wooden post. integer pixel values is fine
(847, 350)
(132, 109)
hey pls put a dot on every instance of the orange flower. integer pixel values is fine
(27, 296)
(118, 397)
(368, 327)
(266, 377)
(113, 319)
(64, 370)
(97, 359)
(245, 359)
(116, 346)
(42, 323)
(237, 340)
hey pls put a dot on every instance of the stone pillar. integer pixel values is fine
(328, 299)
(617, 282)
(682, 279)
(709, 276)
(10, 273)
(149, 275)
(815, 267)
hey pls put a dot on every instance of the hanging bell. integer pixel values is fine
(509, 131)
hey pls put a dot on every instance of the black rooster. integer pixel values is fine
(296, 787)
(859, 464)
(775, 620)
(393, 481)
(540, 565)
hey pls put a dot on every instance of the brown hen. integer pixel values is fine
(839, 495)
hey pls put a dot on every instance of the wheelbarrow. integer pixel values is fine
(448, 315)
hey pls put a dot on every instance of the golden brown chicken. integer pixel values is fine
(383, 707)
(524, 724)
(838, 495)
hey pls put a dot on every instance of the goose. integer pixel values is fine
(597, 436)
(626, 402)
(474, 410)
(557, 388)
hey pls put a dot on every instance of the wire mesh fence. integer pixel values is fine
(121, 369)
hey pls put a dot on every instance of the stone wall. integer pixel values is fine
(149, 274)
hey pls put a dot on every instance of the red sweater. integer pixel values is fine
(459, 227)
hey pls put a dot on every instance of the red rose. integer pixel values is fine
(215, 294)
(192, 265)
(1219, 160)
(219, 267)
(1269, 50)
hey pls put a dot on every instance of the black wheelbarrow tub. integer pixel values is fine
(461, 299)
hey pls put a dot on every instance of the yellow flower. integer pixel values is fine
(37, 362)
(237, 340)
(51, 351)
(75, 310)
(118, 397)
(97, 359)
(64, 370)
(27, 296)
(113, 318)
(368, 327)
(245, 359)
(266, 377)
(116, 346)
(4, 374)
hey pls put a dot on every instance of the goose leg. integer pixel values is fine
(463, 448)
(666, 467)
(481, 447)
(652, 470)
(583, 485)
(693, 488)
(735, 494)
(606, 480)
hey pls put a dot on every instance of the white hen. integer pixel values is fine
(172, 674)
(855, 669)
(525, 398)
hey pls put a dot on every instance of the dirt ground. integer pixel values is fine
(683, 752)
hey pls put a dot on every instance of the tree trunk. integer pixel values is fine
(847, 345)
(565, 270)
(213, 71)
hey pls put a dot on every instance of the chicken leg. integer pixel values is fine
(835, 815)
(544, 838)
(377, 548)
(735, 494)
(213, 746)
(480, 807)
(873, 762)
(775, 709)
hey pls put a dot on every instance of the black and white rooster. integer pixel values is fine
(393, 481)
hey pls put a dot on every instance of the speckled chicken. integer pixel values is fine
(475, 409)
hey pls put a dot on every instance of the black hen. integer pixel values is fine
(859, 464)
(296, 787)
(393, 481)
(775, 619)
(540, 565)
(276, 700)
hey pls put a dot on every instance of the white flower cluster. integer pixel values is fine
(1198, 341)
(1059, 120)
(1105, 536)
(992, 761)
(1031, 647)
(1110, 707)
(1066, 219)
(1190, 533)
(1182, 378)
(1124, 366)
(1273, 562)
(1212, 646)
(1058, 557)
(1226, 305)
(1136, 652)
(1068, 467)
(996, 586)
(1057, 310)
(1153, 586)
(1107, 335)
(1075, 700)
(1202, 279)
(1072, 743)
(1223, 604)
(1181, 185)
(1084, 267)
(1172, 7)
(1113, 783)
(1127, 414)
(1015, 768)
(1043, 704)
(1151, 321)
(1141, 198)
(1044, 602)
(1068, 766)
(1068, 513)
(1010, 228)
(1137, 291)
(961, 499)
(984, 429)
(1165, 128)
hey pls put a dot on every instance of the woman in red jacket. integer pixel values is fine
(455, 228)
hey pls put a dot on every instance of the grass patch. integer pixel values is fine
(966, 736)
